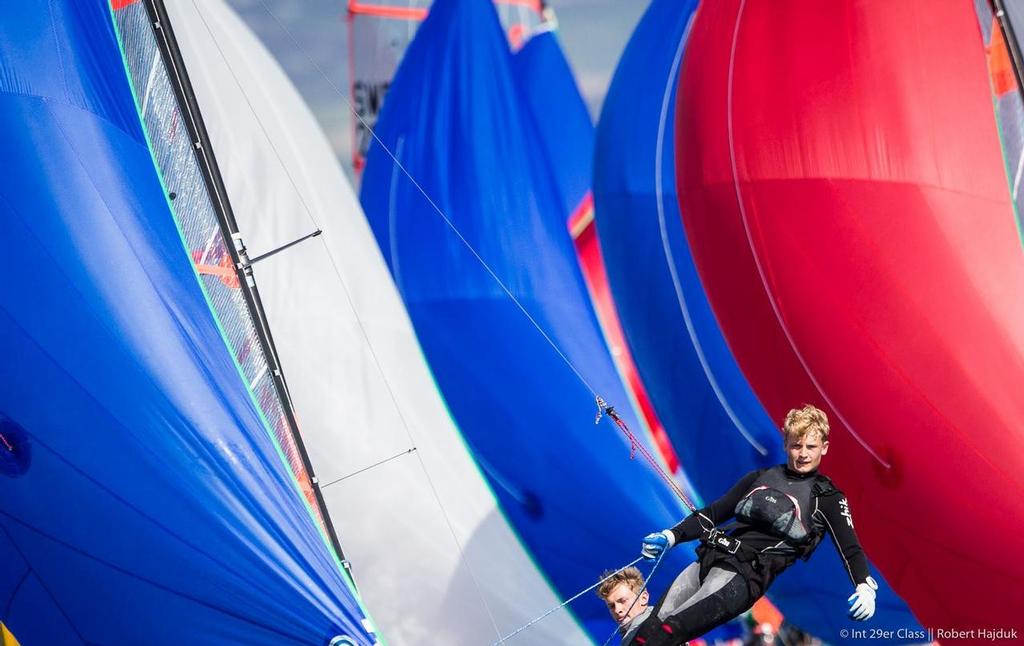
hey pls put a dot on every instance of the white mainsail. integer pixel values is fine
(434, 558)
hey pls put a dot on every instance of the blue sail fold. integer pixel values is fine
(564, 129)
(146, 502)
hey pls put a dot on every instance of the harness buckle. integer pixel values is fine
(722, 541)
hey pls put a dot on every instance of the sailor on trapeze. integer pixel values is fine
(781, 513)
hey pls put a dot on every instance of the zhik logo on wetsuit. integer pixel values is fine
(844, 506)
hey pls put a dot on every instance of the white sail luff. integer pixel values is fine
(433, 556)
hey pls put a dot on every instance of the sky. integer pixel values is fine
(309, 38)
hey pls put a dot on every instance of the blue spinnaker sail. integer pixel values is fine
(563, 125)
(142, 499)
(717, 425)
(457, 123)
(699, 393)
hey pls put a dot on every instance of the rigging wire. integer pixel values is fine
(444, 217)
(579, 594)
(635, 446)
(367, 468)
(634, 443)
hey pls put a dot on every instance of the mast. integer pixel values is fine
(242, 265)
(1010, 37)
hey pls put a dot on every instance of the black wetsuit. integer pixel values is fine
(761, 555)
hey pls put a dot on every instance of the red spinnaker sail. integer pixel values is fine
(847, 204)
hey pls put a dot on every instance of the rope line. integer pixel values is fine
(636, 446)
(576, 596)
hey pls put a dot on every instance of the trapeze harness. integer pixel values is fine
(780, 516)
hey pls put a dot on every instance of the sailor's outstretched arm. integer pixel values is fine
(835, 509)
(698, 522)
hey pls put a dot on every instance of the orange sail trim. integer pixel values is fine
(405, 13)
(1000, 67)
(588, 252)
(223, 269)
(117, 4)
(764, 612)
(529, 4)
(516, 35)
(383, 11)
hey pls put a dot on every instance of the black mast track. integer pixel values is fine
(1010, 37)
(203, 149)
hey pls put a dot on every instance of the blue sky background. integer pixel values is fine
(310, 40)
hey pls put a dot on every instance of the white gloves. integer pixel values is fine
(655, 544)
(862, 601)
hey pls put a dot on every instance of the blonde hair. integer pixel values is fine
(631, 576)
(801, 422)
